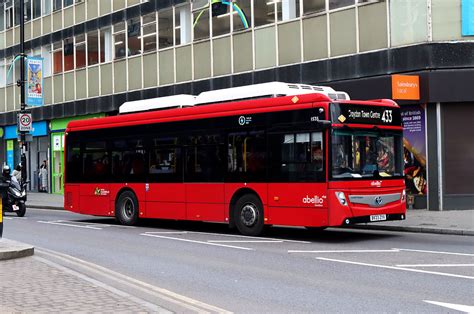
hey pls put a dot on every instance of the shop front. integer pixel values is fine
(37, 150)
(58, 128)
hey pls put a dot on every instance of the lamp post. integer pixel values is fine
(21, 83)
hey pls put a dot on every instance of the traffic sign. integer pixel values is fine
(25, 122)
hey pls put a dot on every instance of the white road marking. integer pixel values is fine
(8, 218)
(394, 267)
(247, 237)
(59, 223)
(167, 232)
(457, 307)
(436, 252)
(347, 251)
(200, 242)
(244, 241)
(437, 265)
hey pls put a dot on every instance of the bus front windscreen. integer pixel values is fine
(360, 154)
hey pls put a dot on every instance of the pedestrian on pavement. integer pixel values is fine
(43, 175)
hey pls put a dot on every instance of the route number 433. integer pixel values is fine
(387, 116)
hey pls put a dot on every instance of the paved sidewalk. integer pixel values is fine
(33, 284)
(459, 222)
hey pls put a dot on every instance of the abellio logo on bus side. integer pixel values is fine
(317, 200)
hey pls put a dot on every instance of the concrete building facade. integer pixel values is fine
(97, 54)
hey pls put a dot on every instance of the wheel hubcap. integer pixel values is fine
(249, 214)
(128, 208)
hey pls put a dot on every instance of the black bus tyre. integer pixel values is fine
(126, 208)
(248, 215)
(22, 210)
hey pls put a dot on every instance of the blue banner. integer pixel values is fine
(34, 91)
(467, 17)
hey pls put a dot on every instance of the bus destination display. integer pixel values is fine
(347, 114)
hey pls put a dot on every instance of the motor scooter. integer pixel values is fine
(16, 197)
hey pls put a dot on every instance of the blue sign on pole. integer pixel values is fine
(467, 17)
(35, 85)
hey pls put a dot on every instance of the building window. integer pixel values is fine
(2, 17)
(57, 57)
(46, 7)
(92, 47)
(36, 8)
(8, 14)
(27, 10)
(221, 14)
(201, 27)
(149, 32)
(336, 4)
(46, 53)
(68, 54)
(314, 6)
(9, 78)
(57, 5)
(264, 13)
(242, 15)
(105, 47)
(119, 40)
(165, 29)
(68, 2)
(288, 9)
(2, 73)
(80, 51)
(182, 27)
(17, 12)
(134, 35)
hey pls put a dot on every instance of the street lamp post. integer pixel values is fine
(21, 83)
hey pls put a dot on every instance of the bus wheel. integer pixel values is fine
(248, 215)
(126, 208)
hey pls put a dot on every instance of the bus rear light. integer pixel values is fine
(342, 198)
(404, 195)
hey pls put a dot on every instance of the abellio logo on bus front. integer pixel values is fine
(317, 201)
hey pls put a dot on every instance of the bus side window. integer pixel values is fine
(246, 156)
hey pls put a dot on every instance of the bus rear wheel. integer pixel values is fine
(126, 208)
(248, 215)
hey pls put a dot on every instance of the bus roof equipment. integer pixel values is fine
(271, 89)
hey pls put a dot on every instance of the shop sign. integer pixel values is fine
(414, 146)
(467, 17)
(406, 87)
(57, 143)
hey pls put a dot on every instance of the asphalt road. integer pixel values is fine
(287, 270)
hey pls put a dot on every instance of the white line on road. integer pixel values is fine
(347, 251)
(200, 242)
(436, 252)
(68, 225)
(394, 267)
(437, 265)
(167, 232)
(248, 237)
(457, 307)
(244, 241)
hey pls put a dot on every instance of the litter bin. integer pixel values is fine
(3, 193)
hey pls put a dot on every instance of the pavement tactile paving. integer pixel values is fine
(29, 285)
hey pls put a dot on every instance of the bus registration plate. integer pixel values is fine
(378, 217)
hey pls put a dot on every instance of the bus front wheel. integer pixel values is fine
(248, 215)
(126, 208)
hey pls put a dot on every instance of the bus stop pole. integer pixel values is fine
(21, 83)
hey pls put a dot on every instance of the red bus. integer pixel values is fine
(266, 154)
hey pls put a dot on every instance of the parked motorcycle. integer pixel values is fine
(16, 197)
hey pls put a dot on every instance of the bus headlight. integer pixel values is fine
(404, 195)
(342, 198)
